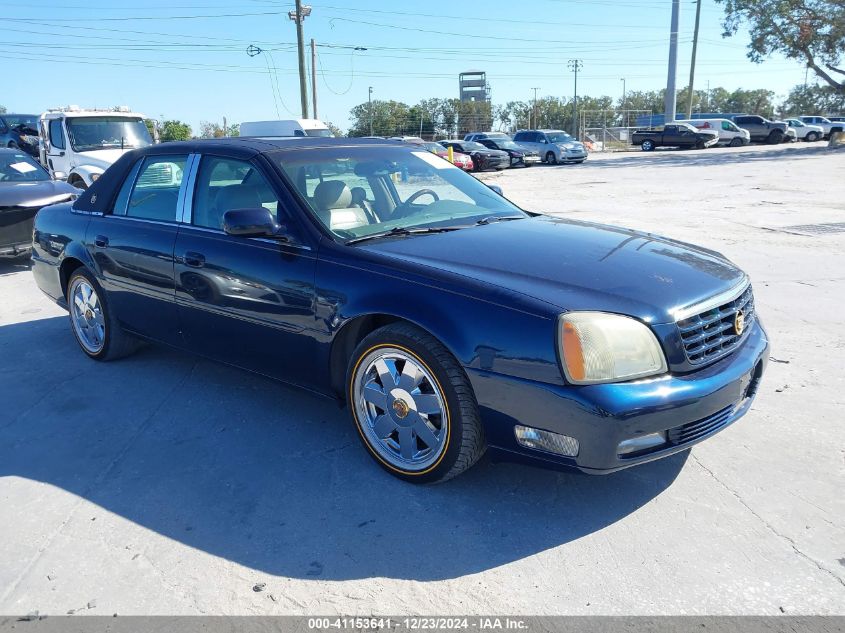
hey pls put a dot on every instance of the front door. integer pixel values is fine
(245, 301)
(56, 150)
(133, 247)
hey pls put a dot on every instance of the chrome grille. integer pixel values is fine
(711, 334)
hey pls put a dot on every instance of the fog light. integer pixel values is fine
(641, 443)
(546, 441)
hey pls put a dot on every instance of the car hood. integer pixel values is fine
(101, 157)
(34, 194)
(575, 265)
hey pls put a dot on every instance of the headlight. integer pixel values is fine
(601, 347)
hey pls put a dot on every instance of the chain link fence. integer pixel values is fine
(609, 130)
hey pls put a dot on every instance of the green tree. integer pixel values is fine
(2, 109)
(151, 127)
(810, 31)
(813, 100)
(173, 130)
(334, 129)
(210, 129)
(388, 118)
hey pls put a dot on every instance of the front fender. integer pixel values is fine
(86, 173)
(480, 334)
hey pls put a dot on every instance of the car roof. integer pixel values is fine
(258, 145)
(4, 114)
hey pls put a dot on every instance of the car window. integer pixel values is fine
(156, 190)
(728, 126)
(226, 183)
(57, 139)
(19, 167)
(404, 188)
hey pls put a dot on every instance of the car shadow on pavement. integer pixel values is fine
(693, 157)
(12, 265)
(270, 477)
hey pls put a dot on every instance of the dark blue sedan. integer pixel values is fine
(447, 319)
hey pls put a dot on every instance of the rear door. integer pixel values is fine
(245, 301)
(133, 246)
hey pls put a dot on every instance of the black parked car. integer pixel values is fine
(25, 187)
(482, 157)
(20, 131)
(519, 155)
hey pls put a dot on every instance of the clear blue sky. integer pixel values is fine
(186, 59)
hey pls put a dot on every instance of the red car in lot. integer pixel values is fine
(461, 160)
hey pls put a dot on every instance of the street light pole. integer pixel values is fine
(370, 108)
(671, 99)
(575, 65)
(314, 77)
(534, 110)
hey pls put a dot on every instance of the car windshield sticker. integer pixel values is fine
(434, 160)
(23, 168)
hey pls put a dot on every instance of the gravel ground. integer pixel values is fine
(163, 484)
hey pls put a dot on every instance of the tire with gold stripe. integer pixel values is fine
(413, 405)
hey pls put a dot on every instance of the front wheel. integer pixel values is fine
(775, 137)
(94, 325)
(647, 145)
(413, 405)
(736, 142)
(551, 159)
(812, 137)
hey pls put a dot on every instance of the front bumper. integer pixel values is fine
(692, 406)
(573, 156)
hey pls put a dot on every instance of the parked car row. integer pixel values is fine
(480, 151)
(737, 131)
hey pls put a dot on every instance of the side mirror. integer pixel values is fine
(254, 222)
(497, 189)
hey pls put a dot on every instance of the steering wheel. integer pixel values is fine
(405, 209)
(413, 197)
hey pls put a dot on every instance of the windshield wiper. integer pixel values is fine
(498, 218)
(401, 230)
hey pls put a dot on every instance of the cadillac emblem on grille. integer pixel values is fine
(739, 322)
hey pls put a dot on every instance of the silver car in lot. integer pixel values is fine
(554, 146)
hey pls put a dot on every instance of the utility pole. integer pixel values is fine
(314, 77)
(624, 99)
(692, 63)
(575, 65)
(225, 128)
(534, 110)
(370, 108)
(299, 16)
(670, 102)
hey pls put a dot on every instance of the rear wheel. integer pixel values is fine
(94, 325)
(413, 406)
(551, 159)
(647, 145)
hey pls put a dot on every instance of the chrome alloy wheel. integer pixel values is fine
(400, 409)
(86, 313)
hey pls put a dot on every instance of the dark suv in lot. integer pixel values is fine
(20, 131)
(762, 130)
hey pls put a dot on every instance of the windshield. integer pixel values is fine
(795, 123)
(322, 132)
(361, 191)
(435, 148)
(559, 137)
(27, 121)
(472, 145)
(508, 145)
(107, 132)
(19, 167)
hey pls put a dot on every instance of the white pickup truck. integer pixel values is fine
(78, 145)
(828, 126)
